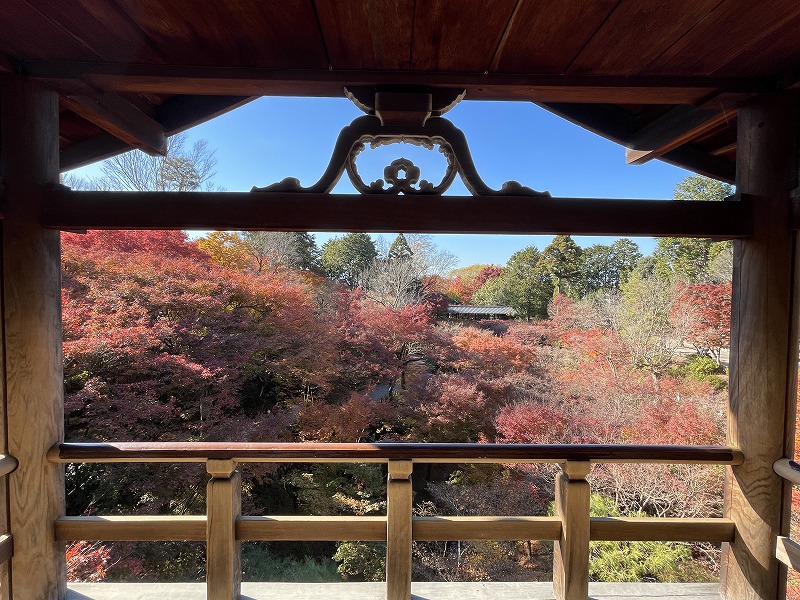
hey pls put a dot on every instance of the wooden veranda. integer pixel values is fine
(710, 85)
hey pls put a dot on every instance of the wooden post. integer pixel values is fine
(398, 530)
(223, 551)
(764, 341)
(32, 318)
(571, 555)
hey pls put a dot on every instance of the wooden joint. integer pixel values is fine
(221, 468)
(576, 470)
(400, 469)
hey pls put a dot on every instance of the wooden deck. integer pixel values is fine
(377, 591)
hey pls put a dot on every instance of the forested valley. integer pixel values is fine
(256, 336)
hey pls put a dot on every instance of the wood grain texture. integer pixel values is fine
(274, 211)
(384, 452)
(458, 35)
(486, 528)
(763, 348)
(367, 35)
(621, 46)
(131, 528)
(537, 42)
(399, 501)
(706, 47)
(571, 550)
(32, 316)
(246, 32)
(310, 528)
(223, 550)
(661, 530)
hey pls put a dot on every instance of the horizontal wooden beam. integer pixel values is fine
(108, 452)
(121, 119)
(176, 79)
(8, 464)
(76, 210)
(311, 528)
(132, 528)
(678, 127)
(426, 529)
(6, 547)
(653, 529)
(788, 552)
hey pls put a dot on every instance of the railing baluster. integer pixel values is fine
(223, 551)
(398, 530)
(571, 556)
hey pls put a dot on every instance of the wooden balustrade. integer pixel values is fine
(787, 550)
(223, 529)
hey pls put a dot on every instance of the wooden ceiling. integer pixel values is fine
(664, 77)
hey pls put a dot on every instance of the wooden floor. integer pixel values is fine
(376, 591)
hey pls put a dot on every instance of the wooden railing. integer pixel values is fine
(786, 549)
(224, 528)
(8, 464)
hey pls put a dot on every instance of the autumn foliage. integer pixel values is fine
(163, 341)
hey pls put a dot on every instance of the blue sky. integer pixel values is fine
(272, 138)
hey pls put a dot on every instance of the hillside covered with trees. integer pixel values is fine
(265, 337)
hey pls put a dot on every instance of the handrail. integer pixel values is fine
(8, 464)
(788, 469)
(385, 452)
(223, 528)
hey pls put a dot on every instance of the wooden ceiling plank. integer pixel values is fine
(367, 35)
(547, 35)
(458, 35)
(65, 209)
(701, 162)
(636, 33)
(245, 32)
(728, 32)
(120, 118)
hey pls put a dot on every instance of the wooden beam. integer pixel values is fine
(71, 210)
(653, 529)
(310, 528)
(702, 162)
(121, 119)
(764, 341)
(109, 452)
(788, 552)
(191, 80)
(678, 127)
(34, 383)
(175, 115)
(444, 528)
(131, 528)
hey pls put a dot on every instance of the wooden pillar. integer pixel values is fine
(571, 552)
(763, 371)
(223, 551)
(32, 319)
(398, 530)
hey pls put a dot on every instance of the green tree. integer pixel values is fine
(399, 250)
(528, 284)
(345, 258)
(562, 261)
(607, 267)
(689, 259)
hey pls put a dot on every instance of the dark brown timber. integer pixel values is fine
(70, 210)
(420, 452)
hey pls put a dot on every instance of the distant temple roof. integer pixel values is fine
(476, 312)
